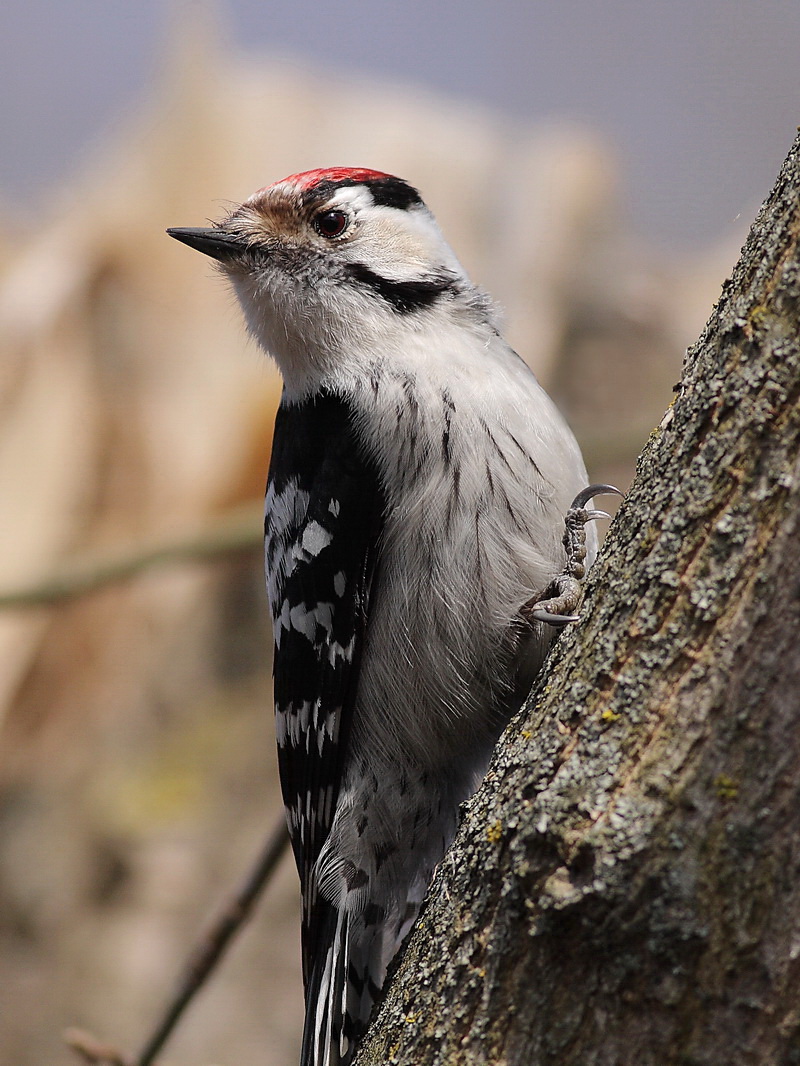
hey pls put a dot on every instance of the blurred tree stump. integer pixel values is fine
(625, 887)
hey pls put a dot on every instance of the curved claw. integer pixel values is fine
(551, 619)
(592, 516)
(586, 494)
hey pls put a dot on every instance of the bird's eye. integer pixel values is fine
(331, 223)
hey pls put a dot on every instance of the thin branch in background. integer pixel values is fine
(92, 1050)
(208, 953)
(201, 962)
(238, 530)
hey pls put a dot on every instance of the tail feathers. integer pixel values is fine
(344, 985)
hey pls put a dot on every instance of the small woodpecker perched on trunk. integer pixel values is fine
(415, 511)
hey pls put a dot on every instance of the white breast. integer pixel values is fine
(479, 470)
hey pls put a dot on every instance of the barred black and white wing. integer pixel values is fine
(323, 518)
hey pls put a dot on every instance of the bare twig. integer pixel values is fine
(210, 950)
(200, 965)
(238, 530)
(92, 1051)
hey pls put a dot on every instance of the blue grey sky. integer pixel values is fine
(700, 98)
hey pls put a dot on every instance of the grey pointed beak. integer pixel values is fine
(214, 242)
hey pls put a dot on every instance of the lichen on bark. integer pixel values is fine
(625, 885)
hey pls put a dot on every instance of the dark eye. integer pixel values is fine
(331, 223)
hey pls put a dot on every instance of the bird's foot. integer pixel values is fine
(559, 601)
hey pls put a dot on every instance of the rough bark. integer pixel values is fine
(625, 887)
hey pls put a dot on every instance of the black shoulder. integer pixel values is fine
(314, 438)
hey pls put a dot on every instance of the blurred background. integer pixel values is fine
(596, 167)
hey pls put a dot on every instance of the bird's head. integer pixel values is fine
(332, 262)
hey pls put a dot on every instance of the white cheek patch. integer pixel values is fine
(397, 244)
(402, 245)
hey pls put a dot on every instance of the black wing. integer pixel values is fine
(323, 522)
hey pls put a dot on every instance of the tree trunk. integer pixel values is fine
(625, 888)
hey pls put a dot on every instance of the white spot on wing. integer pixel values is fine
(284, 513)
(315, 538)
(280, 622)
(341, 651)
(302, 621)
(306, 619)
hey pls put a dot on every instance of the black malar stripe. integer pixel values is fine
(405, 297)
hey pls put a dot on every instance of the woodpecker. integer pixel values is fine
(414, 530)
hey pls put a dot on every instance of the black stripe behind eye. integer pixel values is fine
(385, 192)
(394, 192)
(404, 296)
